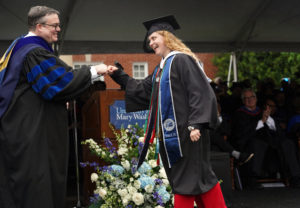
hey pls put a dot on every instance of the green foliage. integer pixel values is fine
(258, 66)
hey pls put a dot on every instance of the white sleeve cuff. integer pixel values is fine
(260, 125)
(94, 76)
(271, 123)
(93, 73)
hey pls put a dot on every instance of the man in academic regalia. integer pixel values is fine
(34, 87)
(182, 110)
(254, 130)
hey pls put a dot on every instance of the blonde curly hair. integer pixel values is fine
(175, 44)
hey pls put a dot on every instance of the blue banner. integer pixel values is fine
(118, 116)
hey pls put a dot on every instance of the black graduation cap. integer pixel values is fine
(167, 23)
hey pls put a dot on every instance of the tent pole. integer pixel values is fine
(229, 70)
(234, 67)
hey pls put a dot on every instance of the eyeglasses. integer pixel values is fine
(250, 97)
(55, 26)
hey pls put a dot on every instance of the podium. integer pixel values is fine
(95, 114)
(95, 123)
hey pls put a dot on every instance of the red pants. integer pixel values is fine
(211, 199)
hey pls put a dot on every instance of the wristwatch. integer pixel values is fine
(190, 128)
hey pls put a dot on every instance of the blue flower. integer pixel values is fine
(84, 164)
(134, 130)
(107, 142)
(140, 147)
(144, 168)
(163, 193)
(116, 170)
(134, 161)
(105, 169)
(95, 198)
(158, 181)
(94, 164)
(158, 198)
(146, 180)
(109, 145)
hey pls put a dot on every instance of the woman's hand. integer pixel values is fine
(195, 135)
(111, 69)
(103, 69)
(266, 114)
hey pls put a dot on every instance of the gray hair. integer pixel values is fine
(247, 90)
(36, 15)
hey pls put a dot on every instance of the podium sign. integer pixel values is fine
(119, 118)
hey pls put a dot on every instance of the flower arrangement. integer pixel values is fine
(121, 184)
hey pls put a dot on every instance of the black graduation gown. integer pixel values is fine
(34, 139)
(195, 104)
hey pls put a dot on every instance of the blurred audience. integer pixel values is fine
(255, 131)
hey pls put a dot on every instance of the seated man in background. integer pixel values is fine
(219, 141)
(254, 130)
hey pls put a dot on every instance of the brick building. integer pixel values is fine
(136, 65)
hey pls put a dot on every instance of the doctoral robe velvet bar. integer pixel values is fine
(34, 132)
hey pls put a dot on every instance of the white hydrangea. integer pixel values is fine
(158, 206)
(152, 163)
(138, 198)
(102, 193)
(137, 184)
(98, 151)
(137, 174)
(126, 164)
(165, 182)
(131, 189)
(122, 192)
(149, 188)
(154, 176)
(162, 173)
(125, 202)
(142, 139)
(122, 151)
(94, 177)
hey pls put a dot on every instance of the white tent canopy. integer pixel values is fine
(115, 26)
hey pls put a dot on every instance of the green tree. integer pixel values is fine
(258, 66)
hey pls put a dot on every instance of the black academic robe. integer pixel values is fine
(264, 143)
(34, 136)
(195, 104)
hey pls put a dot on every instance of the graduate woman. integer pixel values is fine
(182, 109)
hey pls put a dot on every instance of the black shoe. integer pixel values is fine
(245, 157)
(253, 184)
(295, 182)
